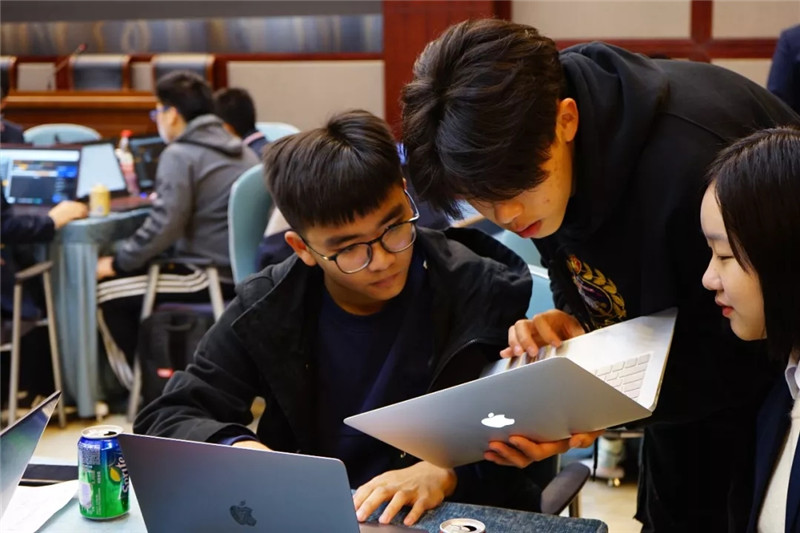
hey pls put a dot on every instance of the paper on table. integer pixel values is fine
(31, 507)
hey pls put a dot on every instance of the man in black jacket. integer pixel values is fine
(599, 155)
(370, 311)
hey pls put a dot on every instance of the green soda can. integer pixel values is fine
(103, 481)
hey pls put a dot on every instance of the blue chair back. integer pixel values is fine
(275, 130)
(541, 296)
(248, 214)
(522, 247)
(63, 133)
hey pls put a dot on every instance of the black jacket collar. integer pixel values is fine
(479, 289)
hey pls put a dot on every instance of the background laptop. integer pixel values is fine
(99, 165)
(146, 152)
(196, 486)
(39, 177)
(545, 400)
(17, 444)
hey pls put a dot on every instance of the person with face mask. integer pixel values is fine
(190, 214)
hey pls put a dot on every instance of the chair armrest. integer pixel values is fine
(558, 494)
(33, 271)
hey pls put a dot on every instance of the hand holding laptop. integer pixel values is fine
(528, 337)
(521, 452)
(421, 486)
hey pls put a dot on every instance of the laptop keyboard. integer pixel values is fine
(625, 376)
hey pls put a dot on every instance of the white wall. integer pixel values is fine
(661, 19)
(306, 93)
(605, 19)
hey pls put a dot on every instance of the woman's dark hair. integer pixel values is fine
(187, 92)
(331, 175)
(236, 108)
(479, 116)
(757, 185)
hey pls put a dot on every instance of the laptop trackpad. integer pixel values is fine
(372, 527)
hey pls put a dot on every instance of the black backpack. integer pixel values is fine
(167, 341)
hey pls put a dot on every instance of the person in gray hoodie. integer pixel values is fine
(190, 213)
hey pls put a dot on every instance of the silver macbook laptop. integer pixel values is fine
(99, 165)
(36, 176)
(17, 444)
(605, 378)
(197, 486)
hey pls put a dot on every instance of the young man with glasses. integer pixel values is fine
(371, 311)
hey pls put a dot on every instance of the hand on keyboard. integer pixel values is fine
(548, 328)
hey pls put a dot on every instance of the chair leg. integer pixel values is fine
(575, 506)
(150, 293)
(136, 390)
(147, 309)
(16, 326)
(215, 291)
(55, 354)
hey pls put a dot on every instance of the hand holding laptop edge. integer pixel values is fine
(526, 339)
(521, 452)
(604, 378)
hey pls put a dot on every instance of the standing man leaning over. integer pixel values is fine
(598, 154)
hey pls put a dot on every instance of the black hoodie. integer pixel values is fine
(631, 245)
(263, 345)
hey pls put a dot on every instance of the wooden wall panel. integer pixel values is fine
(408, 25)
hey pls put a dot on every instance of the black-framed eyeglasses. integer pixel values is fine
(395, 239)
(154, 112)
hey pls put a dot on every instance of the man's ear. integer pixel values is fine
(294, 240)
(567, 119)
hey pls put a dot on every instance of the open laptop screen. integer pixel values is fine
(17, 444)
(146, 153)
(99, 165)
(39, 176)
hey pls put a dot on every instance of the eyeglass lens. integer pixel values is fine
(394, 240)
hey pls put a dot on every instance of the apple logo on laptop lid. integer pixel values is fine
(243, 514)
(497, 421)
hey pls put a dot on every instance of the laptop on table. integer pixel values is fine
(197, 486)
(605, 378)
(17, 444)
(100, 166)
(37, 178)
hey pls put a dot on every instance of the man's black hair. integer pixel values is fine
(235, 107)
(479, 116)
(187, 92)
(329, 176)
